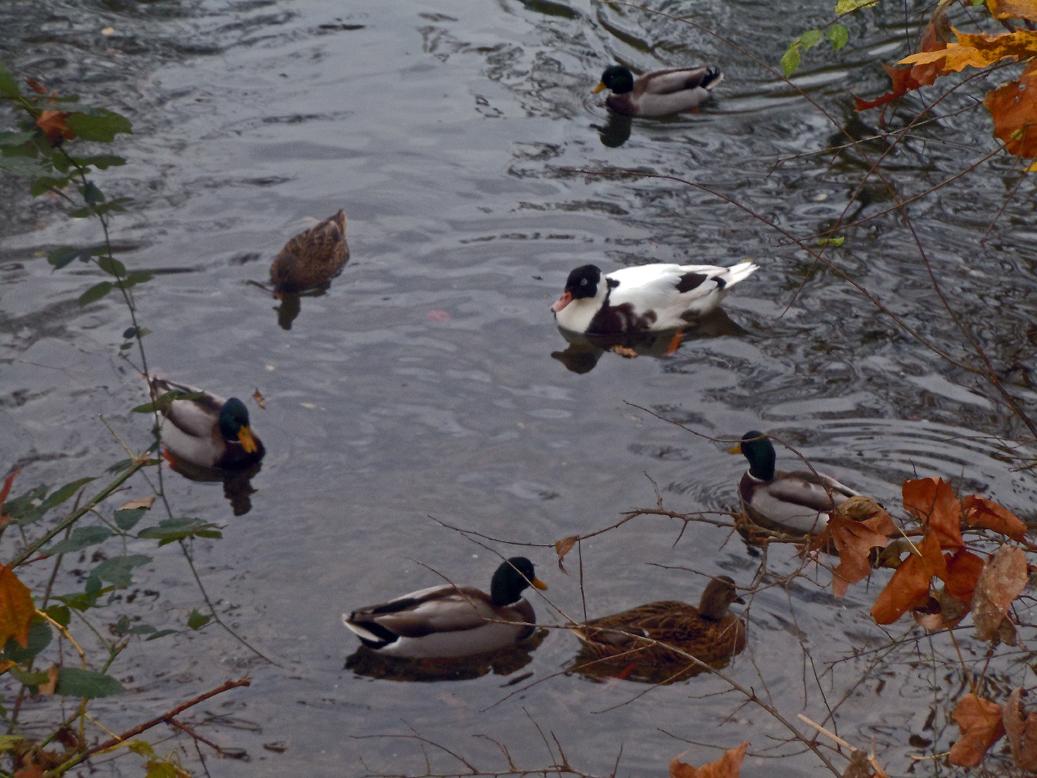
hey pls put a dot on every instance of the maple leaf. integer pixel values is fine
(932, 501)
(963, 571)
(727, 766)
(1022, 732)
(1002, 580)
(980, 723)
(909, 586)
(853, 541)
(978, 50)
(16, 608)
(987, 514)
(1014, 109)
(54, 126)
(905, 79)
(1008, 9)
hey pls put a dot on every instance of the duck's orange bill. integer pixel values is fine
(735, 449)
(538, 583)
(561, 302)
(598, 88)
(247, 440)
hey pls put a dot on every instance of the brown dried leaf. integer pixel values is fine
(933, 503)
(942, 611)
(563, 547)
(987, 514)
(1022, 732)
(36, 86)
(909, 586)
(1014, 109)
(905, 79)
(853, 541)
(259, 398)
(54, 126)
(48, 686)
(1008, 9)
(1002, 580)
(143, 502)
(963, 571)
(16, 608)
(727, 766)
(980, 723)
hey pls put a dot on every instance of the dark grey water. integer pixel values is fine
(458, 137)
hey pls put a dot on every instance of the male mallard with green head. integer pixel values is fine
(796, 502)
(659, 93)
(206, 430)
(710, 633)
(312, 258)
(450, 621)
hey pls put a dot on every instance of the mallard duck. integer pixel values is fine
(450, 621)
(654, 297)
(312, 258)
(206, 430)
(659, 93)
(710, 633)
(797, 502)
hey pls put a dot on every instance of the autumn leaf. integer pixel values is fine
(909, 586)
(142, 502)
(1014, 109)
(259, 398)
(987, 514)
(978, 50)
(54, 126)
(933, 503)
(1022, 732)
(48, 686)
(36, 86)
(1009, 9)
(16, 608)
(963, 571)
(942, 611)
(4, 491)
(563, 547)
(906, 79)
(1002, 580)
(980, 724)
(727, 766)
(853, 541)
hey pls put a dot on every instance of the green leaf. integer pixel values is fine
(112, 266)
(126, 520)
(102, 161)
(63, 255)
(80, 538)
(40, 635)
(160, 634)
(10, 742)
(162, 403)
(30, 679)
(45, 184)
(157, 768)
(118, 204)
(118, 571)
(810, 38)
(834, 242)
(838, 36)
(96, 292)
(59, 495)
(99, 125)
(135, 277)
(790, 59)
(24, 167)
(25, 508)
(197, 620)
(849, 6)
(8, 86)
(60, 613)
(82, 601)
(91, 193)
(172, 530)
(15, 138)
(76, 682)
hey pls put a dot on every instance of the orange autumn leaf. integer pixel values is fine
(980, 723)
(987, 514)
(909, 586)
(563, 547)
(933, 503)
(1014, 109)
(1022, 731)
(1003, 579)
(978, 50)
(4, 491)
(727, 766)
(16, 608)
(904, 79)
(36, 86)
(54, 126)
(853, 541)
(963, 571)
(1013, 9)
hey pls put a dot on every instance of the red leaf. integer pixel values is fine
(932, 501)
(54, 126)
(963, 571)
(909, 586)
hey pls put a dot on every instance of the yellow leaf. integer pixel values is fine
(16, 608)
(978, 51)
(727, 766)
(1008, 9)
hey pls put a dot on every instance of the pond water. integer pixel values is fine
(471, 158)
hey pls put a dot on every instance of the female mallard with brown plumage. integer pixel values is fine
(710, 633)
(791, 502)
(312, 258)
(659, 93)
(450, 621)
(205, 430)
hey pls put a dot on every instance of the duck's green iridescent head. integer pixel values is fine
(511, 578)
(758, 449)
(617, 78)
(234, 427)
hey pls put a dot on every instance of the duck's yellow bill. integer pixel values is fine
(247, 440)
(538, 583)
(735, 449)
(598, 88)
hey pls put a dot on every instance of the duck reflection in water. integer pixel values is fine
(584, 350)
(237, 484)
(616, 130)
